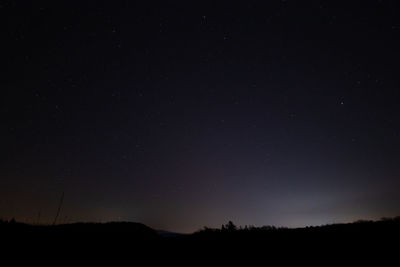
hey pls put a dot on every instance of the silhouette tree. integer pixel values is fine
(223, 229)
(230, 227)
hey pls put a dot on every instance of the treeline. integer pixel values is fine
(231, 227)
(361, 232)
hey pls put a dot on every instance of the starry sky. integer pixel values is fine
(181, 116)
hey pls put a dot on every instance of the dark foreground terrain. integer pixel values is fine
(361, 240)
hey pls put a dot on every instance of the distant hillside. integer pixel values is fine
(360, 233)
(122, 230)
(135, 240)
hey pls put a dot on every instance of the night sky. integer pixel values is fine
(182, 116)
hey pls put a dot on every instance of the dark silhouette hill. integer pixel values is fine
(361, 228)
(228, 243)
(79, 232)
